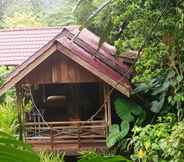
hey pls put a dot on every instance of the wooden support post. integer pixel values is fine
(107, 99)
(79, 136)
(105, 105)
(109, 108)
(52, 138)
(19, 103)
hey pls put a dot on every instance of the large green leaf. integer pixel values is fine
(123, 110)
(13, 150)
(158, 104)
(114, 134)
(164, 87)
(124, 128)
(126, 109)
(117, 133)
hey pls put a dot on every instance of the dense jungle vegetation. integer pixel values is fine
(152, 122)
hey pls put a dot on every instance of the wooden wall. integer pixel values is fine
(59, 69)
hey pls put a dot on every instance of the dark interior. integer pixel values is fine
(68, 102)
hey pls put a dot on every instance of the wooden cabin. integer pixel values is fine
(68, 80)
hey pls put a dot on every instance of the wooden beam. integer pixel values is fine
(98, 122)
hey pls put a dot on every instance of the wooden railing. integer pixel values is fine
(69, 132)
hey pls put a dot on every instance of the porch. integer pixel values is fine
(66, 117)
(70, 137)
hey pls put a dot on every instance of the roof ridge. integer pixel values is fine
(35, 28)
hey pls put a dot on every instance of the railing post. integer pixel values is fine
(51, 138)
(79, 131)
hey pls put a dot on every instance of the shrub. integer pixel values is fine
(163, 141)
(8, 118)
(173, 146)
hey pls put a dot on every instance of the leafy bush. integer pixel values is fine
(8, 118)
(173, 146)
(161, 142)
(147, 141)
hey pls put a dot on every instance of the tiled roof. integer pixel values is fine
(16, 45)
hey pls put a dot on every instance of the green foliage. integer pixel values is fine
(8, 112)
(8, 118)
(91, 156)
(4, 71)
(10, 95)
(158, 88)
(37, 13)
(173, 145)
(162, 141)
(84, 10)
(22, 19)
(128, 112)
(162, 56)
(51, 157)
(147, 141)
(15, 151)
(62, 14)
(156, 26)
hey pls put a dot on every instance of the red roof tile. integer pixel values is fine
(16, 45)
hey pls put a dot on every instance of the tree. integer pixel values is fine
(62, 14)
(37, 6)
(19, 20)
(3, 6)
(154, 28)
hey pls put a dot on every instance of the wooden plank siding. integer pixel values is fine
(59, 69)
